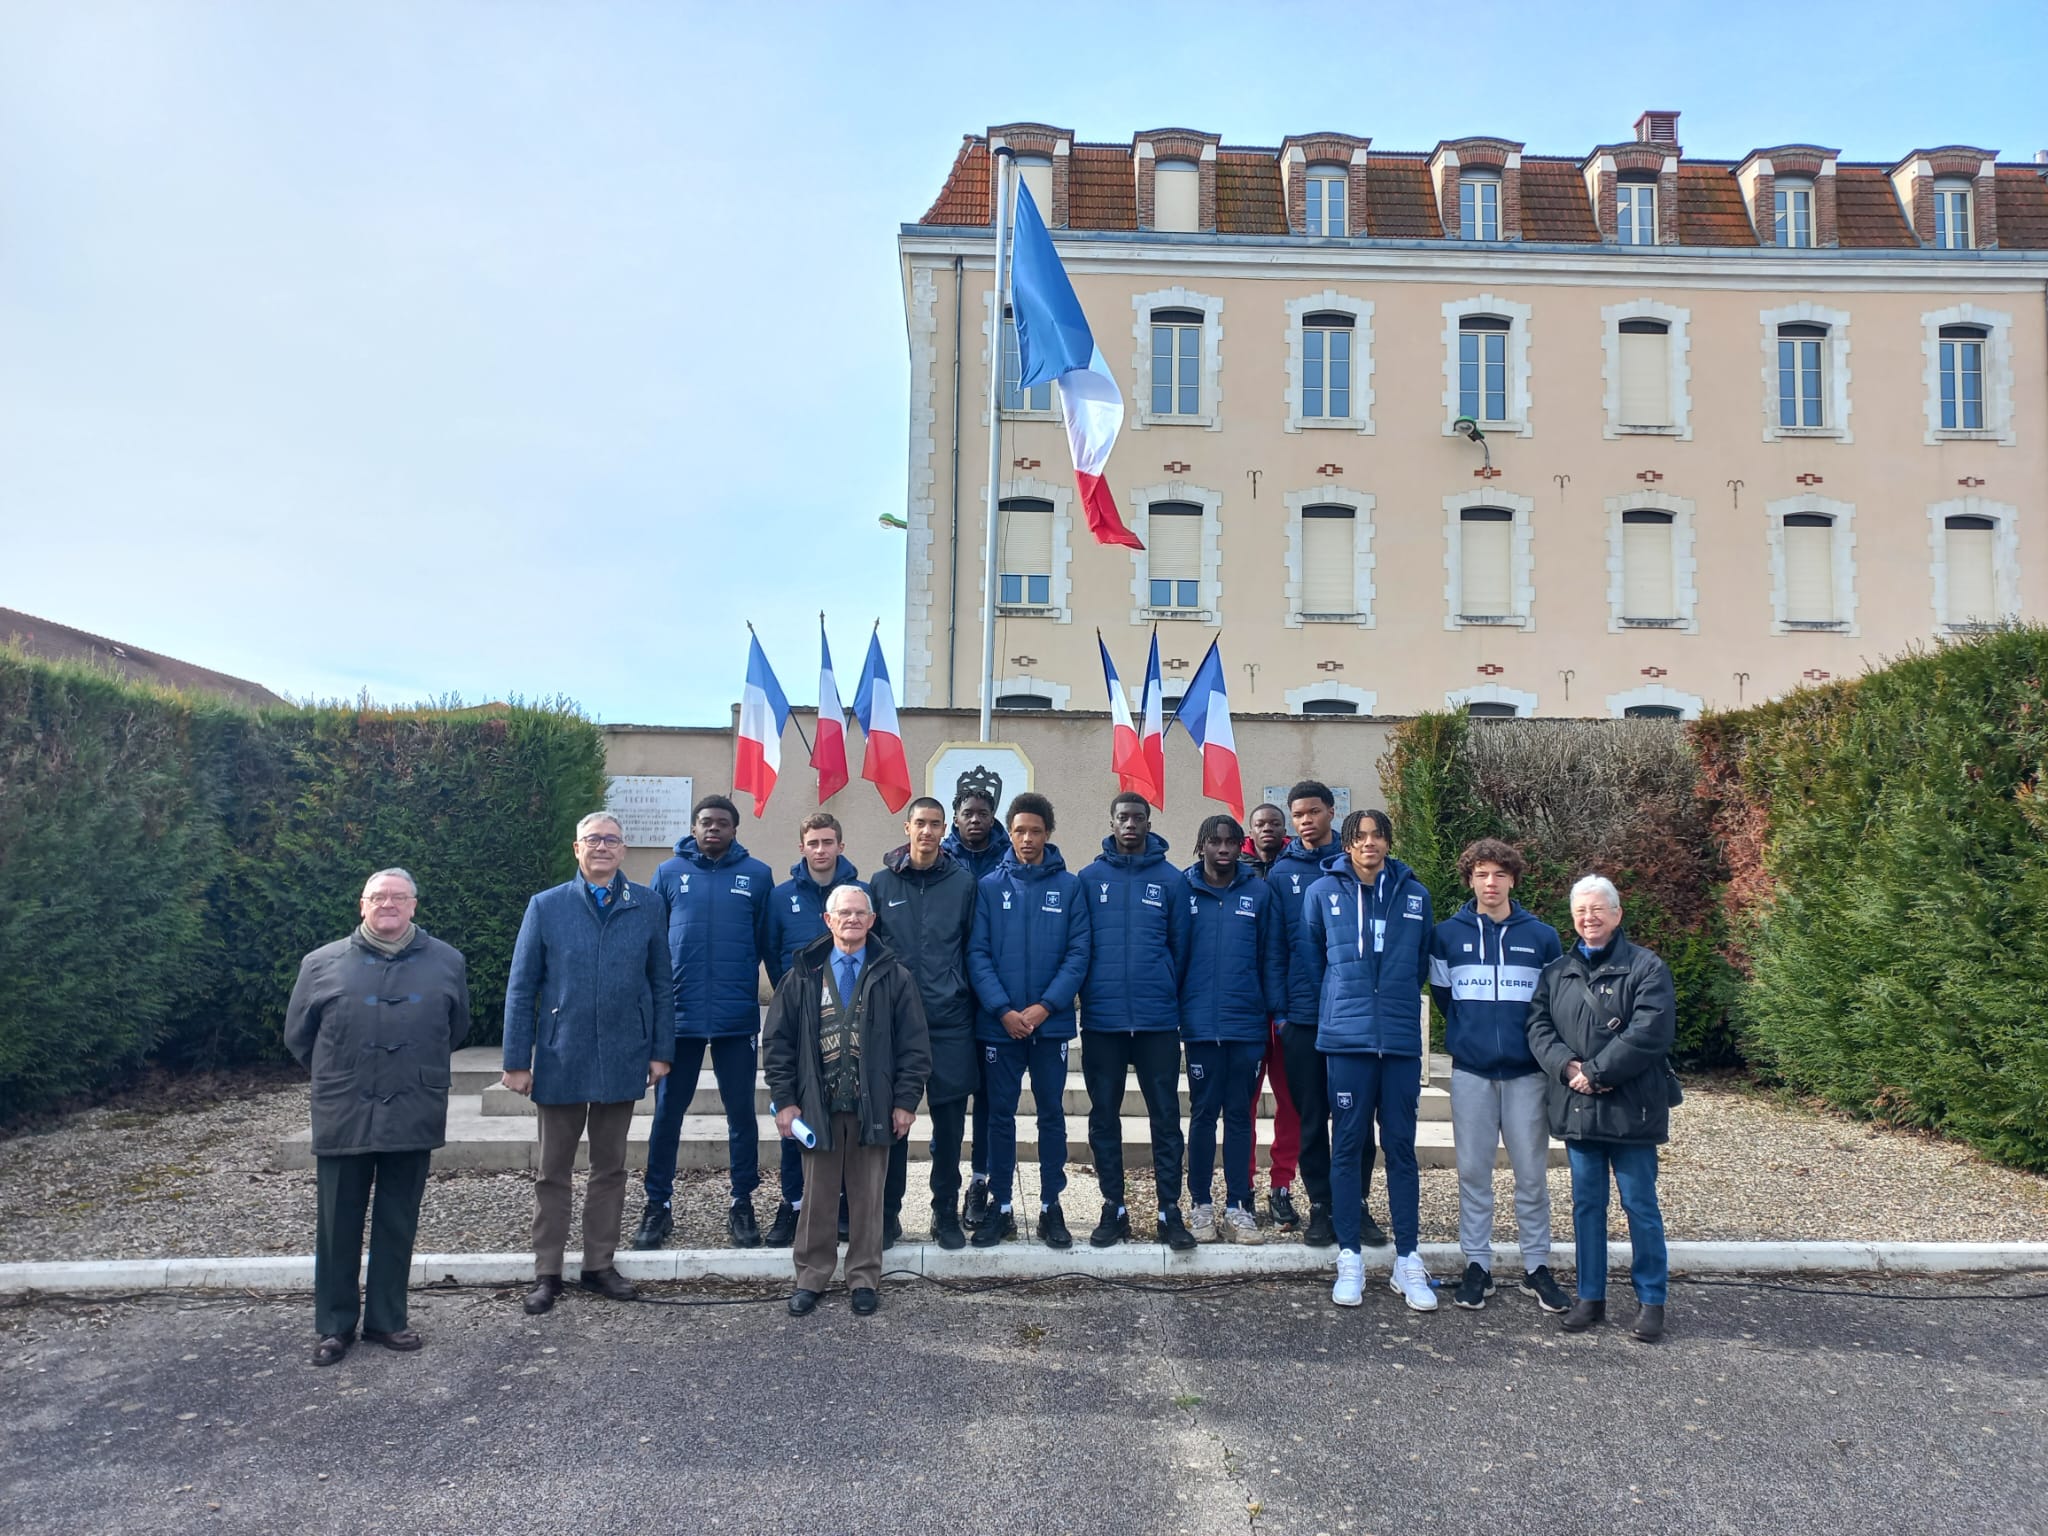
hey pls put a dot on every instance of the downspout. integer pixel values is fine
(953, 544)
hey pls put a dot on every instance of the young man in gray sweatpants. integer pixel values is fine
(1484, 961)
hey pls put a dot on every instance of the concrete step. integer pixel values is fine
(480, 1141)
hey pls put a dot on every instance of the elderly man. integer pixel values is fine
(1601, 1024)
(845, 1050)
(375, 1015)
(587, 1009)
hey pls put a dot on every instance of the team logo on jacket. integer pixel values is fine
(1246, 904)
(1414, 903)
(1104, 884)
(796, 904)
(1006, 907)
(1466, 947)
(1336, 903)
(1195, 1071)
(743, 883)
(683, 884)
(1343, 1100)
(1052, 902)
(1297, 883)
(991, 1055)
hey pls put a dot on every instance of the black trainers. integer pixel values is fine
(1474, 1288)
(892, 1230)
(976, 1211)
(781, 1231)
(946, 1229)
(1539, 1283)
(1320, 1232)
(1114, 1228)
(995, 1226)
(1280, 1206)
(1369, 1230)
(656, 1222)
(1173, 1231)
(1052, 1228)
(746, 1232)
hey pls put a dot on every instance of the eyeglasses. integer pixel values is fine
(604, 840)
(850, 917)
(389, 899)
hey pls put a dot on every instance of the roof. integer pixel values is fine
(1248, 196)
(1555, 205)
(60, 642)
(1867, 211)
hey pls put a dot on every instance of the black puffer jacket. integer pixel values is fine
(926, 916)
(1618, 1017)
(895, 1052)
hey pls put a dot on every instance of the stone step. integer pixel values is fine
(480, 1141)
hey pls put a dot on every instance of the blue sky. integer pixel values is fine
(461, 347)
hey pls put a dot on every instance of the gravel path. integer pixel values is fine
(154, 1176)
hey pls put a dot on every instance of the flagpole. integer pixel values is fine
(1003, 156)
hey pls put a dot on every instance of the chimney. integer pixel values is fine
(1657, 128)
(2041, 157)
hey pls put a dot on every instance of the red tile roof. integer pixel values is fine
(1248, 196)
(1867, 212)
(2022, 208)
(1102, 192)
(1710, 207)
(1554, 203)
(1400, 200)
(964, 199)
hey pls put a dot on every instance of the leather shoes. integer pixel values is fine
(545, 1289)
(331, 1348)
(1583, 1315)
(404, 1340)
(865, 1301)
(608, 1283)
(802, 1303)
(1649, 1326)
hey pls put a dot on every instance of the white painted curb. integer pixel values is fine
(1024, 1261)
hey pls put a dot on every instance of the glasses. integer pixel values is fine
(604, 840)
(850, 917)
(387, 899)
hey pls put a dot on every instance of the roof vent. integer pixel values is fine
(1657, 128)
(2041, 157)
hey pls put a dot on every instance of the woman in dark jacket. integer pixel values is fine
(1601, 1025)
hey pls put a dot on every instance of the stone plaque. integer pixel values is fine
(1341, 793)
(999, 768)
(653, 809)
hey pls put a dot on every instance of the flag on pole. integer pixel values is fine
(1205, 711)
(763, 713)
(828, 752)
(1126, 756)
(1055, 345)
(1151, 727)
(882, 762)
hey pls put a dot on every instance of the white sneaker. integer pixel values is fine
(1349, 1290)
(1410, 1281)
(1241, 1226)
(1202, 1222)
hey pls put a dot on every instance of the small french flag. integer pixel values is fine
(882, 762)
(1126, 754)
(763, 713)
(828, 752)
(1205, 710)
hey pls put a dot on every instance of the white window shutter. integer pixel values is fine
(1487, 567)
(1027, 542)
(1328, 573)
(1176, 195)
(1174, 547)
(1972, 584)
(1645, 380)
(1809, 575)
(1646, 571)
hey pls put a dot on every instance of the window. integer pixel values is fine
(1329, 547)
(1794, 213)
(1035, 172)
(1176, 195)
(1635, 213)
(1486, 563)
(1176, 362)
(1647, 585)
(1024, 564)
(1968, 543)
(1809, 569)
(1326, 364)
(1173, 554)
(1325, 210)
(1653, 712)
(1023, 701)
(1483, 368)
(1039, 396)
(1329, 707)
(1483, 710)
(1645, 393)
(1952, 216)
(1801, 348)
(1962, 377)
(1479, 206)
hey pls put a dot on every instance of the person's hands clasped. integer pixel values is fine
(1015, 1026)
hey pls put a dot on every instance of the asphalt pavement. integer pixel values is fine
(1046, 1408)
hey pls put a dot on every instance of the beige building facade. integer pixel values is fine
(1733, 426)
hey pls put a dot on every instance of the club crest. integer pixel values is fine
(990, 1056)
(1006, 907)
(1104, 885)
(1195, 1071)
(1246, 904)
(1343, 1100)
(743, 883)
(1052, 902)
(1414, 903)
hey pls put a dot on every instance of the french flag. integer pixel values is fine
(1152, 730)
(828, 752)
(763, 713)
(1126, 756)
(1205, 710)
(882, 762)
(1054, 344)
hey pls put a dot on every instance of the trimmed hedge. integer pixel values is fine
(165, 860)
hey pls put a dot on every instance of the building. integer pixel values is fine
(60, 642)
(1733, 426)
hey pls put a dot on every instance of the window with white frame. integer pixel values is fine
(1953, 230)
(1649, 585)
(1652, 712)
(1486, 564)
(1035, 172)
(1023, 701)
(1491, 709)
(1173, 555)
(1036, 398)
(1962, 377)
(1802, 375)
(1644, 397)
(1329, 561)
(1326, 365)
(1969, 551)
(1479, 205)
(1635, 213)
(1792, 212)
(1176, 362)
(1324, 213)
(1176, 195)
(1329, 706)
(1810, 571)
(1024, 555)
(1483, 367)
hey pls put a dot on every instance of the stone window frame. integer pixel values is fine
(1998, 375)
(1361, 311)
(1517, 316)
(1685, 565)
(1060, 610)
(1841, 559)
(1835, 386)
(1678, 382)
(990, 361)
(1522, 554)
(1493, 693)
(1210, 417)
(1210, 613)
(1366, 700)
(2005, 555)
(1363, 557)
(1688, 705)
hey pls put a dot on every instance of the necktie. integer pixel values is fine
(849, 973)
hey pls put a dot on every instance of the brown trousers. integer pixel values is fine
(862, 1172)
(604, 1202)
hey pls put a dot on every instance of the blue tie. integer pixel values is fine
(849, 973)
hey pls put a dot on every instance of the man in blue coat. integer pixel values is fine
(716, 899)
(1361, 962)
(979, 843)
(585, 1033)
(1026, 960)
(1130, 1011)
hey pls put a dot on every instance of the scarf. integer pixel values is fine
(390, 949)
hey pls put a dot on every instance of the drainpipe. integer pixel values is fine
(953, 545)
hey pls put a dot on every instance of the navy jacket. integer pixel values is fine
(985, 863)
(1367, 999)
(1139, 932)
(1482, 975)
(1296, 868)
(717, 938)
(926, 917)
(586, 1003)
(796, 913)
(1030, 945)
(1233, 977)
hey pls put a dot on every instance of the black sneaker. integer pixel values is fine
(892, 1230)
(656, 1222)
(1369, 1230)
(995, 1226)
(1473, 1290)
(1280, 1206)
(1173, 1231)
(746, 1232)
(1538, 1283)
(1114, 1228)
(1321, 1232)
(782, 1230)
(1052, 1228)
(946, 1229)
(976, 1211)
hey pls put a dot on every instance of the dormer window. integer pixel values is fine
(1176, 195)
(1325, 201)
(1035, 172)
(1635, 212)
(1953, 215)
(1479, 205)
(1793, 212)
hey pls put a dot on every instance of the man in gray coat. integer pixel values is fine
(375, 1016)
(588, 1014)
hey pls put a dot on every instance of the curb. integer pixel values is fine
(1021, 1261)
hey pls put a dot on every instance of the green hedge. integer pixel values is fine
(165, 860)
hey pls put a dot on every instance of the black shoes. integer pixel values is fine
(1539, 1283)
(1114, 1228)
(1474, 1288)
(977, 1205)
(1173, 1231)
(802, 1303)
(403, 1340)
(546, 1288)
(1369, 1230)
(865, 1301)
(1583, 1315)
(781, 1231)
(995, 1226)
(746, 1232)
(1052, 1228)
(333, 1347)
(1321, 1232)
(946, 1229)
(656, 1222)
(892, 1231)
(1649, 1325)
(1280, 1206)
(608, 1283)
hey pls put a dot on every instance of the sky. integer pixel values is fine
(515, 349)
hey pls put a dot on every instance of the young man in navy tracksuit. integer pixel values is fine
(1362, 960)
(717, 899)
(1483, 965)
(796, 920)
(1027, 959)
(1130, 1011)
(1233, 979)
(978, 842)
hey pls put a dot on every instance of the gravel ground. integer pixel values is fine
(159, 1175)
